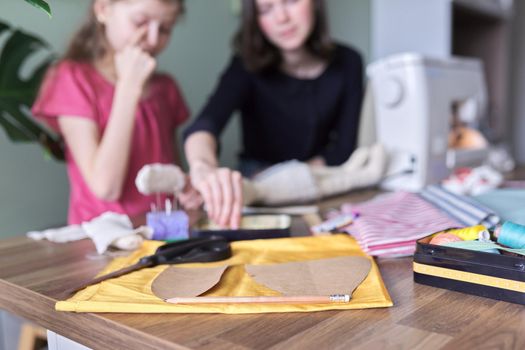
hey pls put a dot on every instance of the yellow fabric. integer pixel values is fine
(132, 293)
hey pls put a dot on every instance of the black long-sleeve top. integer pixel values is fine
(286, 118)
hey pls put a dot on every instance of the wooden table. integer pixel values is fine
(34, 274)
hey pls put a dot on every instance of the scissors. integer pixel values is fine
(213, 248)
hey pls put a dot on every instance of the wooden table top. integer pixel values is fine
(33, 275)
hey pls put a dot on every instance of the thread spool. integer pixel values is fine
(471, 233)
(512, 235)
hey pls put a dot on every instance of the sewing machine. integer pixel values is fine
(417, 99)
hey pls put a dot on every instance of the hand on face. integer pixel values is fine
(136, 31)
(221, 189)
(133, 64)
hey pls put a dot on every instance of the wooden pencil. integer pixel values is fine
(292, 299)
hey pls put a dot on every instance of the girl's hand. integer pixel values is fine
(317, 161)
(221, 189)
(190, 198)
(133, 65)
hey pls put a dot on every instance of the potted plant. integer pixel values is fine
(41, 4)
(18, 92)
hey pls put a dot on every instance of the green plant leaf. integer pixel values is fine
(18, 93)
(41, 4)
(3, 27)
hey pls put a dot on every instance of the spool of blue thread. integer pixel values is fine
(512, 235)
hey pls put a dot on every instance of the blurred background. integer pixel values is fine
(33, 189)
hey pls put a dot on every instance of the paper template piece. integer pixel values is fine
(315, 277)
(186, 282)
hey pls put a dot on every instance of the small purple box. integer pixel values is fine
(168, 226)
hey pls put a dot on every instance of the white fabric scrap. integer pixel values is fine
(473, 182)
(105, 230)
(109, 227)
(59, 235)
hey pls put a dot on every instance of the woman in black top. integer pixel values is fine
(299, 95)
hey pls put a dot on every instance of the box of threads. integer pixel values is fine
(475, 260)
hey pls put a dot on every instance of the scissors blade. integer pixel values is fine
(193, 250)
(117, 273)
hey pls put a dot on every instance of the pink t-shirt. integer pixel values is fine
(78, 89)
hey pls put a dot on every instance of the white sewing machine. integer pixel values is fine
(416, 98)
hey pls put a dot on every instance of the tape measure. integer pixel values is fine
(470, 277)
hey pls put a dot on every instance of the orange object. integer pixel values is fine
(444, 238)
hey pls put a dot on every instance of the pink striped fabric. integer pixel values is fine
(389, 224)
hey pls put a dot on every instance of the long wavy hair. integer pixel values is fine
(89, 43)
(259, 54)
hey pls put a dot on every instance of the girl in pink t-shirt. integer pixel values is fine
(114, 112)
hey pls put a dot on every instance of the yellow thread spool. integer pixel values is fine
(471, 233)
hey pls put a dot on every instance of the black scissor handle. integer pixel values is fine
(193, 250)
(212, 251)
